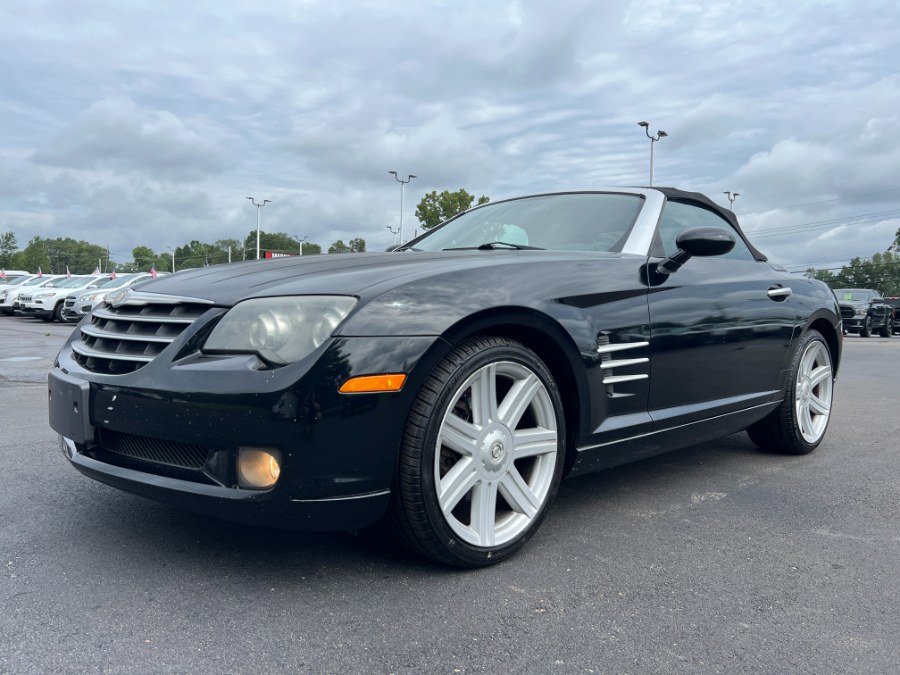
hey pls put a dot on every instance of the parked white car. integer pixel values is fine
(47, 302)
(80, 303)
(8, 277)
(9, 296)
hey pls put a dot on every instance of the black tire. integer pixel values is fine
(58, 312)
(886, 328)
(450, 405)
(787, 429)
(866, 329)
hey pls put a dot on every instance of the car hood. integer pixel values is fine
(364, 275)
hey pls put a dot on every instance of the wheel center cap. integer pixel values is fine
(495, 449)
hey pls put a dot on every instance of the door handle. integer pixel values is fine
(780, 292)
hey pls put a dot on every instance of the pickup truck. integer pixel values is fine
(864, 311)
(895, 303)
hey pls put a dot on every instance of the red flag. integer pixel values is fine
(153, 271)
(96, 272)
(112, 274)
(68, 273)
(40, 274)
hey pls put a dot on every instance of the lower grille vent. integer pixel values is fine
(170, 453)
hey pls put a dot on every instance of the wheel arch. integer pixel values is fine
(824, 323)
(555, 347)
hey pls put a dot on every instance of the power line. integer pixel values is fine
(817, 224)
(824, 201)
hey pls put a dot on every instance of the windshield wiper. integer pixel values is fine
(492, 245)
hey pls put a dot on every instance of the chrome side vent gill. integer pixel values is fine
(607, 363)
(130, 333)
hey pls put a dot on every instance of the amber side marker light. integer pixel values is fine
(370, 384)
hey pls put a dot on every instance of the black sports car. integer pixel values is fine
(445, 388)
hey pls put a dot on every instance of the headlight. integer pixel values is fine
(3, 294)
(281, 330)
(861, 312)
(91, 298)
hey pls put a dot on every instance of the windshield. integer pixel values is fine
(565, 222)
(69, 282)
(118, 281)
(18, 281)
(853, 295)
(37, 281)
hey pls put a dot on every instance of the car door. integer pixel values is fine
(721, 326)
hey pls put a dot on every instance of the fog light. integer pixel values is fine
(258, 468)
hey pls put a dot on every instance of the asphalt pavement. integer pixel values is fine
(715, 558)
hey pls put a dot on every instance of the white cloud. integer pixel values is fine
(147, 128)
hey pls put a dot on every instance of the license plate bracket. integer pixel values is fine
(69, 402)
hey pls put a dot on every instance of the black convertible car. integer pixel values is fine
(445, 388)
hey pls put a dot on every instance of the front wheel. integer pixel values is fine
(886, 328)
(798, 425)
(866, 327)
(482, 454)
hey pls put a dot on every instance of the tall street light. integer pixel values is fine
(393, 233)
(653, 139)
(300, 244)
(258, 206)
(731, 197)
(403, 183)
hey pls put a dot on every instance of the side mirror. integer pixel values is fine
(697, 241)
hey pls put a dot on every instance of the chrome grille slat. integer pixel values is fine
(93, 331)
(130, 318)
(126, 337)
(103, 354)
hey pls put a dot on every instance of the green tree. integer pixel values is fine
(357, 245)
(229, 249)
(310, 248)
(8, 247)
(435, 208)
(34, 256)
(339, 247)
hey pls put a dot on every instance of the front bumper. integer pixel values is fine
(338, 451)
(243, 506)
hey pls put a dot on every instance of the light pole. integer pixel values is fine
(653, 139)
(731, 197)
(393, 233)
(300, 244)
(403, 183)
(258, 207)
(173, 258)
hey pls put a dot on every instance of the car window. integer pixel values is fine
(853, 295)
(679, 216)
(566, 222)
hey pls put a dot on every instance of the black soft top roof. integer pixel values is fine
(683, 196)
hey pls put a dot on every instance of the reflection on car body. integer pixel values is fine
(450, 390)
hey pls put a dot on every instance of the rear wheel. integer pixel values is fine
(798, 425)
(482, 454)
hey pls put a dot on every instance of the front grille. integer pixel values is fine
(156, 450)
(847, 312)
(70, 302)
(122, 339)
(24, 298)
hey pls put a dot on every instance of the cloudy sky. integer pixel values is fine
(147, 122)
